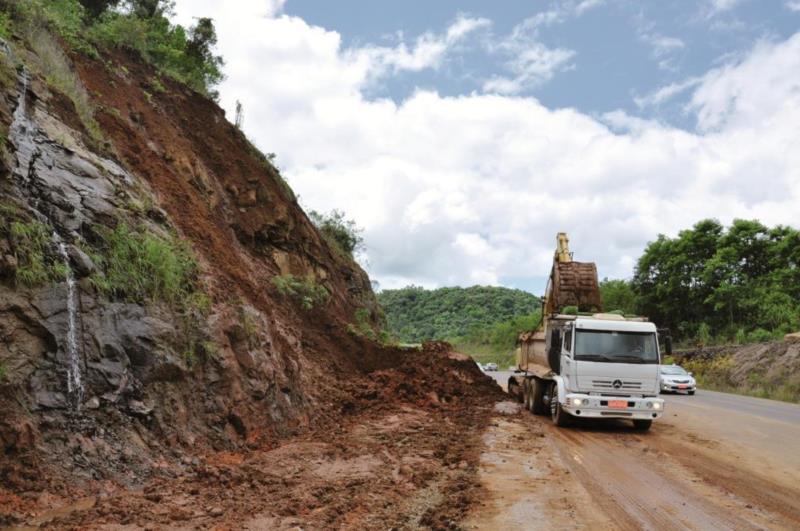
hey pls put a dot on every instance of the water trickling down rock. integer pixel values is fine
(74, 380)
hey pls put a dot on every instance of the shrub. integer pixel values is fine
(58, 71)
(307, 292)
(140, 265)
(340, 233)
(703, 334)
(363, 327)
(31, 241)
(759, 335)
(185, 56)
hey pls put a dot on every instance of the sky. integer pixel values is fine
(462, 136)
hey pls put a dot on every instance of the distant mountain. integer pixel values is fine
(415, 314)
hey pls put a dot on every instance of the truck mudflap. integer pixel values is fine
(619, 407)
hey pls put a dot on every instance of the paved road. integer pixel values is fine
(714, 461)
(759, 407)
(724, 402)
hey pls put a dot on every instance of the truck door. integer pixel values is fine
(567, 363)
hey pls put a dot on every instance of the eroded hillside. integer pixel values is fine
(163, 297)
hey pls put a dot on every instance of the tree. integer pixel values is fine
(239, 120)
(618, 295)
(146, 9)
(744, 277)
(95, 8)
(342, 233)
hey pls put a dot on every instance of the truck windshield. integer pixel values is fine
(616, 347)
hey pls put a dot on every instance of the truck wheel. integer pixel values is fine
(559, 416)
(642, 424)
(526, 394)
(537, 397)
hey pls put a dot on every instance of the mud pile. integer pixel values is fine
(402, 453)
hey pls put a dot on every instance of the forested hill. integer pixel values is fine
(415, 314)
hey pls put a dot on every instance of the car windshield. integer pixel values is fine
(616, 347)
(673, 370)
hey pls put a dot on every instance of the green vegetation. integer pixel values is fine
(140, 25)
(496, 342)
(141, 266)
(618, 295)
(415, 314)
(185, 55)
(340, 233)
(31, 241)
(717, 374)
(364, 327)
(305, 291)
(5, 26)
(58, 71)
(716, 285)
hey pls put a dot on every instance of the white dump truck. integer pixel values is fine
(580, 362)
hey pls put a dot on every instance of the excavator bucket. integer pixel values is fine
(575, 284)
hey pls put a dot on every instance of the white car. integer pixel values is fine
(674, 379)
(490, 367)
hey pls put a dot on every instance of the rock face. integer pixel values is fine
(172, 163)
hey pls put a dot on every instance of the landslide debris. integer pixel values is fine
(402, 453)
(145, 248)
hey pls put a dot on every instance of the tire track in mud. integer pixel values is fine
(643, 482)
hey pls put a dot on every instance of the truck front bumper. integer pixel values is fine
(612, 407)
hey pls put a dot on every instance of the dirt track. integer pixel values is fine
(702, 467)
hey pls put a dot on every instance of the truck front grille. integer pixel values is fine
(630, 385)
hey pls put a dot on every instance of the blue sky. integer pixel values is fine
(462, 136)
(623, 49)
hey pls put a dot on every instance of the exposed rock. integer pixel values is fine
(51, 399)
(80, 261)
(792, 338)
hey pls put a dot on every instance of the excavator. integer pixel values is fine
(582, 363)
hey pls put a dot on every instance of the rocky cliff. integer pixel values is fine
(161, 291)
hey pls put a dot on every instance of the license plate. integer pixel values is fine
(682, 386)
(618, 404)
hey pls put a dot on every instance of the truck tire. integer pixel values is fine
(537, 397)
(559, 416)
(514, 391)
(642, 424)
(526, 394)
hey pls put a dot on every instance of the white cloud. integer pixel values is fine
(723, 5)
(428, 51)
(666, 93)
(532, 65)
(473, 188)
(793, 5)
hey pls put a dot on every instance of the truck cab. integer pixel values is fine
(609, 368)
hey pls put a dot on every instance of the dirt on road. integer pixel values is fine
(609, 476)
(403, 455)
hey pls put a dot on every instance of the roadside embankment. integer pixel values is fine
(766, 370)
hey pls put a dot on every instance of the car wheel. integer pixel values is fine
(642, 424)
(559, 416)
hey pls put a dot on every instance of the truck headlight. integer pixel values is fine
(577, 402)
(656, 405)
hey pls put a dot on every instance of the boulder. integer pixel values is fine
(792, 338)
